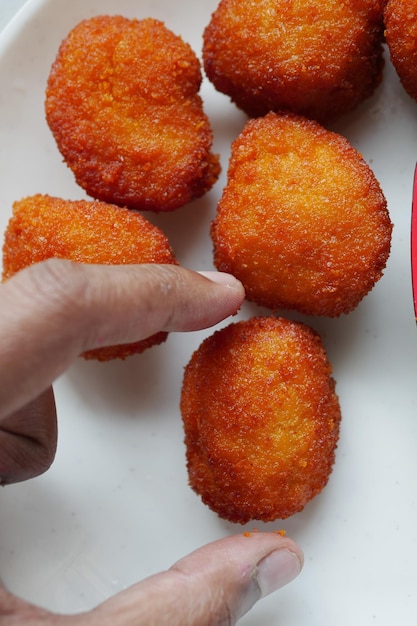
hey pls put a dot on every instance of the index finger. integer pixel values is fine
(54, 311)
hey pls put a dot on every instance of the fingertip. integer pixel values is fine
(232, 293)
(203, 299)
(247, 567)
(277, 559)
(277, 570)
(273, 569)
(223, 278)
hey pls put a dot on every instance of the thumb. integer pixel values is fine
(213, 586)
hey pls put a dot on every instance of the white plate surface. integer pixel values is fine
(115, 506)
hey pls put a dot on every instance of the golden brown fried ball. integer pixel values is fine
(122, 102)
(261, 419)
(319, 59)
(302, 221)
(83, 231)
(400, 18)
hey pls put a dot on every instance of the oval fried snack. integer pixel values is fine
(84, 231)
(261, 419)
(122, 103)
(400, 17)
(318, 59)
(302, 221)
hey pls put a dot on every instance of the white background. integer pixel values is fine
(115, 506)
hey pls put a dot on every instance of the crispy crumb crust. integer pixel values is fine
(84, 231)
(319, 59)
(261, 419)
(302, 221)
(122, 103)
(400, 17)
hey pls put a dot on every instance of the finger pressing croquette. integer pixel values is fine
(44, 227)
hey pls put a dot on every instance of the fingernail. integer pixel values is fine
(221, 278)
(272, 572)
(276, 570)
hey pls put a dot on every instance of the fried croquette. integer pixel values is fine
(44, 227)
(318, 59)
(400, 17)
(302, 221)
(261, 419)
(122, 103)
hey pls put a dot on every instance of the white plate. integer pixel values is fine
(115, 507)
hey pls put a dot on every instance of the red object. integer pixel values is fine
(414, 243)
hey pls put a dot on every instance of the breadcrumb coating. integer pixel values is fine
(302, 221)
(82, 231)
(318, 59)
(122, 103)
(261, 419)
(400, 17)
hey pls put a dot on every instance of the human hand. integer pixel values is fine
(213, 586)
(51, 313)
